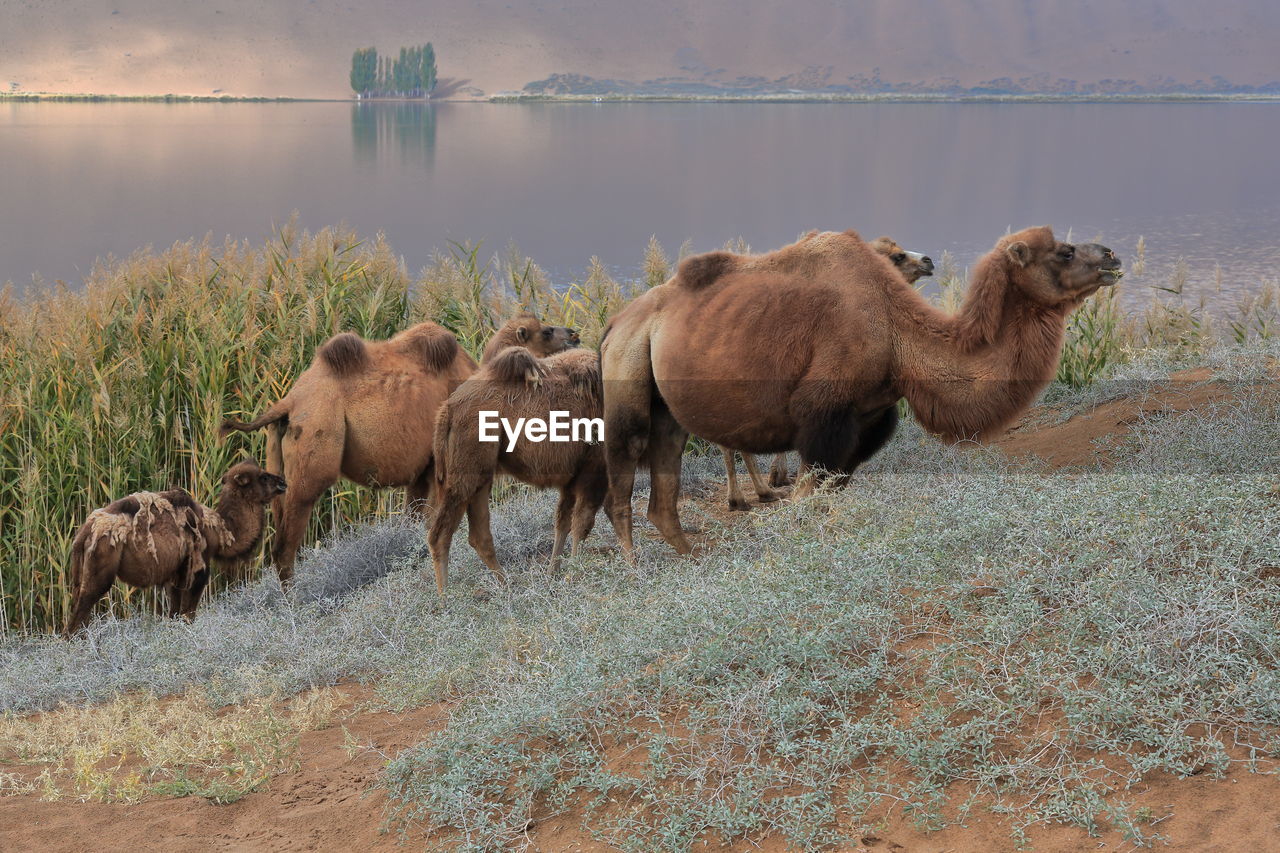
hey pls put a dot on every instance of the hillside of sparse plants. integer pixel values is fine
(961, 635)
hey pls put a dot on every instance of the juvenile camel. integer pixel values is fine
(526, 330)
(913, 266)
(685, 357)
(167, 539)
(514, 385)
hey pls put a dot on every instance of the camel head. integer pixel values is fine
(912, 265)
(251, 483)
(542, 340)
(1052, 273)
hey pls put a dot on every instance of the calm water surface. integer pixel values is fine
(568, 181)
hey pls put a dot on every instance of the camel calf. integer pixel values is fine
(167, 539)
(912, 266)
(516, 384)
(526, 330)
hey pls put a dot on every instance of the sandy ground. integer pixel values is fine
(329, 804)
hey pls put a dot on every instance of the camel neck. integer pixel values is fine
(243, 522)
(969, 375)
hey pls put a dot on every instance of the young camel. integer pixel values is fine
(366, 410)
(167, 539)
(516, 384)
(685, 357)
(913, 266)
(526, 330)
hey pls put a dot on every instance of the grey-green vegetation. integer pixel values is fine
(953, 627)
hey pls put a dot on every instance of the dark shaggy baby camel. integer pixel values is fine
(515, 384)
(912, 266)
(167, 539)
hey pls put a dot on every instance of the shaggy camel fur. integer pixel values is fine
(913, 266)
(364, 410)
(526, 330)
(167, 539)
(685, 356)
(515, 384)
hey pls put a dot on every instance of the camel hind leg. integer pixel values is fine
(479, 532)
(591, 488)
(626, 440)
(666, 447)
(737, 501)
(564, 521)
(763, 492)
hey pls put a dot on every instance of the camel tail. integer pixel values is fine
(75, 577)
(278, 412)
(699, 271)
(345, 354)
(440, 443)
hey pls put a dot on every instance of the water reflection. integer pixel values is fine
(407, 129)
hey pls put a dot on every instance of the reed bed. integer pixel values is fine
(120, 386)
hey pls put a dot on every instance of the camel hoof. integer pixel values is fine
(778, 481)
(770, 497)
(739, 506)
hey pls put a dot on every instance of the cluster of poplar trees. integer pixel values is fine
(411, 75)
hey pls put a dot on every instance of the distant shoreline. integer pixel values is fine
(892, 98)
(766, 98)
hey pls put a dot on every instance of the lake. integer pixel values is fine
(565, 182)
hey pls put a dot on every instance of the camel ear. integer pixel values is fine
(1019, 252)
(522, 334)
(242, 479)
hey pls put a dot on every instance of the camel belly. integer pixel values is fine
(748, 415)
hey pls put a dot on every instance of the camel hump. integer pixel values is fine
(435, 345)
(515, 364)
(698, 271)
(345, 354)
(582, 369)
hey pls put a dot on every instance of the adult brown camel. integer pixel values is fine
(685, 357)
(912, 266)
(364, 410)
(167, 539)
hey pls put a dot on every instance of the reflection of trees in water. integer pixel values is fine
(408, 128)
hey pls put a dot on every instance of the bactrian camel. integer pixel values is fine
(167, 539)
(686, 357)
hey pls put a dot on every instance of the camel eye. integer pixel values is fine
(898, 257)
(1067, 253)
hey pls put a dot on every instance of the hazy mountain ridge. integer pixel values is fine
(302, 48)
